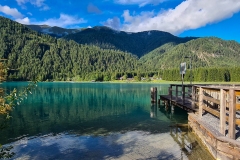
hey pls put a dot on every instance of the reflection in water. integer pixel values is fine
(83, 108)
(93, 121)
(153, 111)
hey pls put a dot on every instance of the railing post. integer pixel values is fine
(232, 114)
(222, 111)
(193, 94)
(183, 94)
(200, 111)
(176, 92)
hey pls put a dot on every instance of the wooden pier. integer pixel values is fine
(181, 96)
(221, 101)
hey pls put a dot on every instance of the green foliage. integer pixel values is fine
(204, 75)
(138, 77)
(124, 77)
(9, 101)
(107, 77)
(37, 56)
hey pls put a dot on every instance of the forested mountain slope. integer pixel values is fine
(136, 43)
(32, 55)
(35, 55)
(205, 52)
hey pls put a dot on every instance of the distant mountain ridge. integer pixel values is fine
(53, 31)
(139, 43)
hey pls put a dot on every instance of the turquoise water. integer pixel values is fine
(97, 121)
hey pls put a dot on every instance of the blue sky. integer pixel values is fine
(219, 18)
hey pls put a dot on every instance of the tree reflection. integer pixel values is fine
(85, 108)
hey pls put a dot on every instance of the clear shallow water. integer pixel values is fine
(97, 121)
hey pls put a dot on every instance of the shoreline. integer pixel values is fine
(124, 81)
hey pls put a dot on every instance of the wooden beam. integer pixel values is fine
(211, 99)
(212, 111)
(210, 88)
(232, 114)
(222, 111)
(217, 114)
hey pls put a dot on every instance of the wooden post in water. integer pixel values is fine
(232, 114)
(170, 92)
(222, 111)
(153, 94)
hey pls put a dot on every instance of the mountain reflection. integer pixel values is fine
(97, 121)
(84, 108)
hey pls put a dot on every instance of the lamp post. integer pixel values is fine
(190, 67)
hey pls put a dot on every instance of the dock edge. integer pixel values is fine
(218, 145)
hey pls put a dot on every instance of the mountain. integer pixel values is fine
(204, 52)
(53, 31)
(136, 43)
(33, 55)
(106, 38)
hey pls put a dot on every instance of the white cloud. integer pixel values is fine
(15, 14)
(37, 3)
(141, 3)
(113, 23)
(23, 20)
(190, 14)
(10, 11)
(63, 21)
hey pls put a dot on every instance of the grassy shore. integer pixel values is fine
(154, 81)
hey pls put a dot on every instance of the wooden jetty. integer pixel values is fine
(181, 96)
(221, 101)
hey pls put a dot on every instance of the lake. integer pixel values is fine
(97, 121)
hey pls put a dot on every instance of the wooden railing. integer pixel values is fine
(219, 100)
(222, 102)
(179, 91)
(183, 92)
